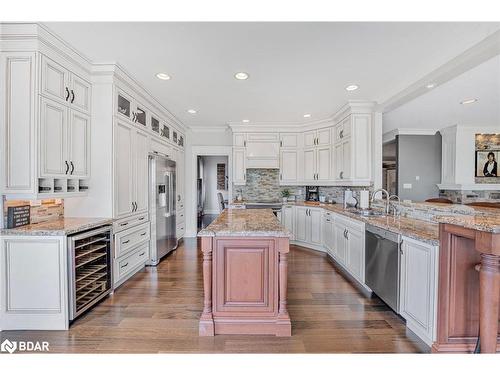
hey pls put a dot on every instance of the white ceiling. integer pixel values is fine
(295, 68)
(440, 107)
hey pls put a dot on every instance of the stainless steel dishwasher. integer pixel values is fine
(382, 261)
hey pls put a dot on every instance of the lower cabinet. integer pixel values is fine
(418, 287)
(131, 252)
(350, 246)
(288, 217)
(328, 232)
(308, 225)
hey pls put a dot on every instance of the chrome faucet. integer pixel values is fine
(396, 211)
(387, 195)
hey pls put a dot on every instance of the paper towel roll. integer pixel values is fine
(162, 199)
(364, 199)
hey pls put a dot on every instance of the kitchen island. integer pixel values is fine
(245, 274)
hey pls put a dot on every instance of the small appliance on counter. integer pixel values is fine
(312, 193)
(349, 199)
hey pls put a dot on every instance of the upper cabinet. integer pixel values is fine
(47, 131)
(61, 84)
(262, 150)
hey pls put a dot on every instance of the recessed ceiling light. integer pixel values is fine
(163, 76)
(246, 121)
(307, 115)
(241, 76)
(430, 85)
(192, 111)
(352, 87)
(468, 101)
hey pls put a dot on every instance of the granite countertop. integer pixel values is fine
(484, 223)
(249, 222)
(413, 228)
(60, 227)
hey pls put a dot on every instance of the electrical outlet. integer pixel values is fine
(417, 178)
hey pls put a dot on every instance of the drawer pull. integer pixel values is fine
(123, 224)
(141, 218)
(143, 234)
(124, 242)
(142, 254)
(125, 265)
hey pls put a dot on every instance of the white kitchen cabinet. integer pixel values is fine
(289, 140)
(239, 166)
(350, 246)
(124, 170)
(328, 232)
(308, 168)
(141, 150)
(323, 157)
(180, 180)
(418, 287)
(60, 84)
(262, 150)
(239, 139)
(53, 140)
(288, 217)
(289, 169)
(310, 138)
(353, 155)
(308, 225)
(79, 144)
(320, 137)
(301, 218)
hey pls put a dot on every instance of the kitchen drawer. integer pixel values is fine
(129, 222)
(125, 266)
(126, 240)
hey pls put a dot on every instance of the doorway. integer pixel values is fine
(212, 185)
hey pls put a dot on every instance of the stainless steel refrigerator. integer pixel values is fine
(162, 207)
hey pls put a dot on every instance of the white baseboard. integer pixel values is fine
(211, 212)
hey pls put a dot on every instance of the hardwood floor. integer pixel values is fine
(157, 311)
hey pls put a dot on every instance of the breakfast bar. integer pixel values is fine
(245, 274)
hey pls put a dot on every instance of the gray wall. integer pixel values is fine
(419, 156)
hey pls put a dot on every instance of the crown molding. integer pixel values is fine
(470, 58)
(391, 135)
(209, 128)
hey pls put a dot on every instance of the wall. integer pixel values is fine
(211, 204)
(418, 156)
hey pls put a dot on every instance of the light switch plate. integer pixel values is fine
(407, 186)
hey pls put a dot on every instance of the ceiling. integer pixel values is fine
(440, 107)
(295, 68)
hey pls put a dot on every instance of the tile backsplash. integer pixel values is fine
(469, 196)
(263, 185)
(40, 211)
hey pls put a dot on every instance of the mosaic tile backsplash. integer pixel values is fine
(469, 196)
(40, 211)
(263, 185)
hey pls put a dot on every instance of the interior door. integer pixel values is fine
(54, 128)
(79, 145)
(141, 171)
(124, 160)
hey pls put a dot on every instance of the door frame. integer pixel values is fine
(191, 214)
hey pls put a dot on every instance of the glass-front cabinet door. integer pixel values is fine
(140, 116)
(124, 105)
(181, 141)
(155, 124)
(165, 131)
(174, 136)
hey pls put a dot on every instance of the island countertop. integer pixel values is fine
(249, 222)
(60, 227)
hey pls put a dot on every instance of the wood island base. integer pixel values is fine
(245, 286)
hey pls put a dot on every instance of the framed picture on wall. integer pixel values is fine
(487, 163)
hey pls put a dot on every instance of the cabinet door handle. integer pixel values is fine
(67, 94)
(72, 96)
(123, 224)
(67, 167)
(143, 234)
(72, 167)
(141, 254)
(341, 175)
(133, 207)
(281, 177)
(125, 265)
(125, 242)
(341, 134)
(244, 143)
(281, 143)
(141, 218)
